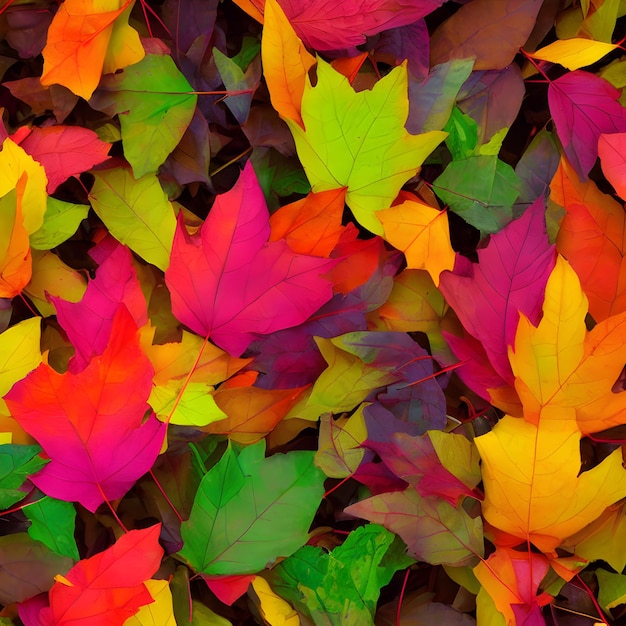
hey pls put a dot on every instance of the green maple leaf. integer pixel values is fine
(250, 510)
(358, 140)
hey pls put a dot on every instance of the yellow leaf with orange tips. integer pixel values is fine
(574, 53)
(422, 233)
(273, 609)
(564, 373)
(532, 485)
(157, 613)
(14, 162)
(15, 261)
(286, 63)
(86, 39)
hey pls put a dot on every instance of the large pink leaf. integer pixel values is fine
(88, 322)
(91, 424)
(583, 106)
(230, 284)
(332, 25)
(509, 279)
(64, 151)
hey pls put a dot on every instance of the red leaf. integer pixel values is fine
(65, 151)
(107, 588)
(584, 106)
(229, 283)
(229, 589)
(91, 424)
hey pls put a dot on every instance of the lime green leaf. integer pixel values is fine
(481, 189)
(53, 523)
(155, 105)
(612, 589)
(136, 212)
(462, 134)
(249, 510)
(17, 463)
(60, 222)
(358, 140)
(342, 587)
(196, 406)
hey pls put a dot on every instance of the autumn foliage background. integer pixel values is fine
(312, 312)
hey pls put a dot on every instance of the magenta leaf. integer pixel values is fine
(509, 279)
(228, 283)
(583, 106)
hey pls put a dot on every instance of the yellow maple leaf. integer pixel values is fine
(422, 233)
(533, 489)
(564, 373)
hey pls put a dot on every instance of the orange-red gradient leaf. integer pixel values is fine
(592, 238)
(78, 42)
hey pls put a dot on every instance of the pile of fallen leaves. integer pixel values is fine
(312, 312)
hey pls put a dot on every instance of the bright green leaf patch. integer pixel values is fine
(244, 499)
(17, 463)
(155, 105)
(358, 140)
(52, 523)
(343, 586)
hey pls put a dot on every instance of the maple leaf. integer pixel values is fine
(584, 106)
(511, 579)
(234, 286)
(63, 151)
(256, 508)
(591, 238)
(508, 279)
(311, 225)
(562, 372)
(111, 583)
(422, 233)
(491, 31)
(358, 140)
(341, 587)
(326, 25)
(155, 104)
(250, 413)
(85, 39)
(81, 420)
(527, 468)
(88, 322)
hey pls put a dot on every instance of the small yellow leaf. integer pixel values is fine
(422, 233)
(274, 610)
(574, 53)
(157, 613)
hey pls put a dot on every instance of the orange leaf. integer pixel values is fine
(512, 579)
(286, 63)
(311, 225)
(349, 66)
(84, 40)
(422, 233)
(15, 257)
(252, 412)
(591, 238)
